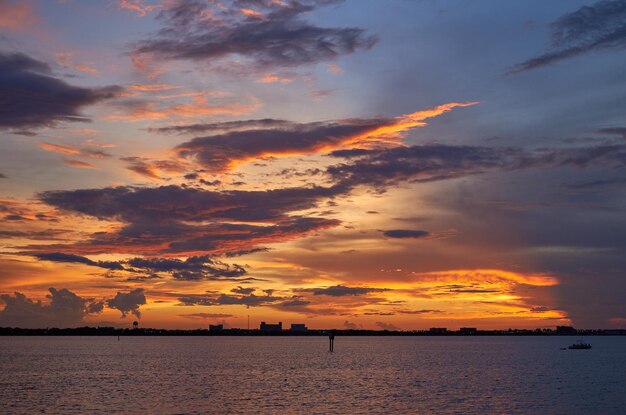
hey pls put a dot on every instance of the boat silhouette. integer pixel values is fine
(579, 346)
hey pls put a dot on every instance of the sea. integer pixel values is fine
(298, 375)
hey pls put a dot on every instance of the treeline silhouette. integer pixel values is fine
(112, 331)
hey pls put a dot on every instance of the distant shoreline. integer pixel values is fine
(111, 331)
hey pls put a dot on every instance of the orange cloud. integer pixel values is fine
(96, 153)
(78, 164)
(251, 13)
(58, 148)
(488, 277)
(18, 15)
(153, 87)
(222, 153)
(145, 64)
(66, 59)
(137, 6)
(271, 78)
(392, 132)
(334, 69)
(153, 169)
(199, 107)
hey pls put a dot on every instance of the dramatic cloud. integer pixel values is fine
(128, 302)
(265, 33)
(153, 169)
(31, 97)
(77, 259)
(340, 290)
(192, 269)
(187, 220)
(199, 105)
(250, 300)
(380, 168)
(64, 309)
(242, 290)
(266, 123)
(406, 233)
(73, 151)
(245, 142)
(601, 26)
(168, 203)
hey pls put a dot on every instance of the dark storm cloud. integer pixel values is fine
(381, 168)
(128, 302)
(406, 233)
(186, 220)
(221, 127)
(227, 237)
(349, 153)
(583, 157)
(166, 203)
(388, 167)
(77, 259)
(269, 34)
(621, 131)
(250, 300)
(64, 309)
(245, 252)
(45, 235)
(2, 176)
(294, 302)
(220, 152)
(601, 26)
(617, 182)
(242, 290)
(192, 269)
(31, 97)
(341, 290)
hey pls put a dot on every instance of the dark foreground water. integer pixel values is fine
(297, 375)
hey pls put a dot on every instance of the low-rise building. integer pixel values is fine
(271, 327)
(216, 327)
(468, 330)
(301, 328)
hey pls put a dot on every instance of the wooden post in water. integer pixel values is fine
(331, 342)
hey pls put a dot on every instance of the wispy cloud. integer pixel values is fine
(601, 26)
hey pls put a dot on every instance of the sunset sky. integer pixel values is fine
(399, 164)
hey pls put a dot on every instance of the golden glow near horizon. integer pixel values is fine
(205, 162)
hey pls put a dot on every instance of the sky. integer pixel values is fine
(343, 164)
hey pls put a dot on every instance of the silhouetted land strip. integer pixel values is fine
(112, 331)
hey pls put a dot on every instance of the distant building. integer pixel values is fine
(468, 330)
(271, 327)
(216, 327)
(438, 330)
(565, 330)
(135, 325)
(301, 328)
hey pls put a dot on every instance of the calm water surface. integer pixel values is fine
(297, 375)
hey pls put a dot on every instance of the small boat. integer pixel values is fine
(580, 346)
